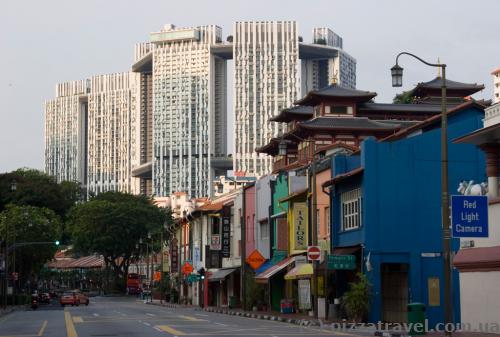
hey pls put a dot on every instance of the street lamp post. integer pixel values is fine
(397, 81)
(13, 188)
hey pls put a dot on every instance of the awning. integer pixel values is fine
(479, 259)
(293, 195)
(346, 250)
(304, 270)
(220, 274)
(265, 266)
(278, 215)
(266, 275)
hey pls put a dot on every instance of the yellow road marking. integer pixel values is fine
(191, 318)
(70, 327)
(77, 319)
(42, 329)
(170, 330)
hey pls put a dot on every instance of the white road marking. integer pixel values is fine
(146, 323)
(158, 329)
(152, 315)
(124, 314)
(95, 314)
(202, 315)
(220, 323)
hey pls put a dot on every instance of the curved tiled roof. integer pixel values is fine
(461, 89)
(299, 112)
(334, 91)
(349, 123)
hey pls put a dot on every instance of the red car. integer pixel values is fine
(69, 298)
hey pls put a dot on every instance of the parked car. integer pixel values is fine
(69, 298)
(82, 297)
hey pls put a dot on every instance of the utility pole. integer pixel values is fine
(243, 251)
(314, 233)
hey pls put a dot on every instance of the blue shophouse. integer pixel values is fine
(386, 210)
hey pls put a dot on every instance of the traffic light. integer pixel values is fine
(201, 271)
(57, 242)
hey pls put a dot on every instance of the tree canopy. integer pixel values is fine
(38, 189)
(111, 224)
(21, 226)
(405, 97)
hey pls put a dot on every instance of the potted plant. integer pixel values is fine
(356, 301)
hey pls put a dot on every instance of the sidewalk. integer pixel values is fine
(305, 320)
(9, 309)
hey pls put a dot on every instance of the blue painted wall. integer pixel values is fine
(401, 205)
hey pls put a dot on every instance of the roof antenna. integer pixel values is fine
(439, 68)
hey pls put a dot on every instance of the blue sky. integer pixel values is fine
(46, 42)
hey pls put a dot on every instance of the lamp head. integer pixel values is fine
(397, 76)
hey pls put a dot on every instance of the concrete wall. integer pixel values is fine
(480, 298)
(263, 204)
(250, 219)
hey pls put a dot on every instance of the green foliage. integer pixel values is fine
(38, 189)
(111, 224)
(28, 224)
(255, 293)
(320, 41)
(405, 97)
(356, 300)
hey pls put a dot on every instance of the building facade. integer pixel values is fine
(90, 132)
(65, 129)
(272, 68)
(189, 109)
(266, 80)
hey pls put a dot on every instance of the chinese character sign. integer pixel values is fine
(226, 237)
(300, 225)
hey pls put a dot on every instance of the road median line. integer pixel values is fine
(42, 329)
(70, 327)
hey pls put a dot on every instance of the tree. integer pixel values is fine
(111, 224)
(38, 189)
(320, 41)
(27, 224)
(406, 97)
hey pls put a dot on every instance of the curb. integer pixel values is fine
(172, 305)
(9, 310)
(302, 322)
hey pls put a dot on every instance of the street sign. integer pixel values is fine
(469, 216)
(341, 262)
(187, 268)
(313, 253)
(255, 259)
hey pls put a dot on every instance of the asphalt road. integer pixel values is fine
(107, 316)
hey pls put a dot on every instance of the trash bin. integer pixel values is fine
(232, 302)
(416, 319)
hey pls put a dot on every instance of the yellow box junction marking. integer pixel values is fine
(170, 330)
(193, 319)
(42, 329)
(70, 327)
